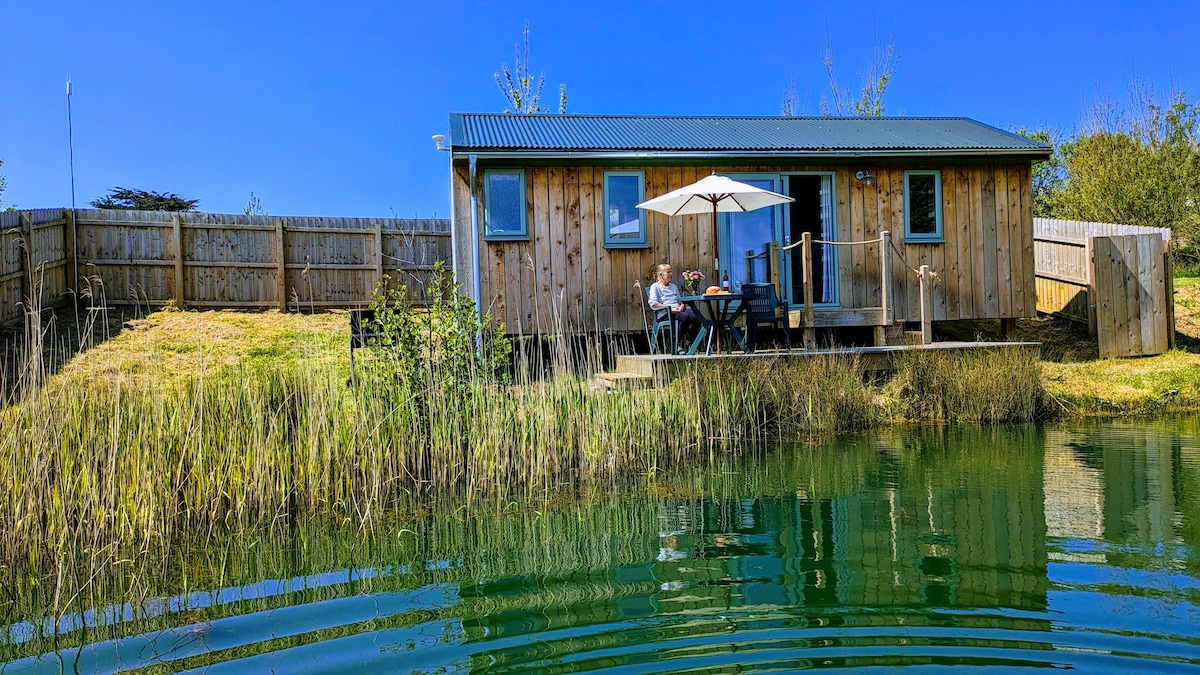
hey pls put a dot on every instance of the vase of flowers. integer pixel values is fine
(692, 279)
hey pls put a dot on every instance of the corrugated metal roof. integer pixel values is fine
(596, 133)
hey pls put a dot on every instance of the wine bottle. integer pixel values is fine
(725, 281)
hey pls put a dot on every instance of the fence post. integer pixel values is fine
(281, 264)
(1169, 291)
(72, 271)
(177, 223)
(926, 307)
(378, 258)
(1090, 262)
(27, 263)
(810, 330)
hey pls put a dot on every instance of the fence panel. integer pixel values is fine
(214, 260)
(33, 259)
(1131, 316)
(232, 260)
(1114, 277)
(12, 267)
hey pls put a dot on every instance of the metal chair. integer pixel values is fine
(664, 319)
(763, 307)
(363, 328)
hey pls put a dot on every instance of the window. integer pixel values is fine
(923, 206)
(504, 204)
(624, 223)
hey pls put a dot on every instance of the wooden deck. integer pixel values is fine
(661, 369)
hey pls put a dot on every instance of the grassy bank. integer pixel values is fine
(1083, 385)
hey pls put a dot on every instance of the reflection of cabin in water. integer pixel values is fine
(854, 551)
(546, 229)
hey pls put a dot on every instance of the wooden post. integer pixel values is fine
(1090, 261)
(926, 306)
(885, 279)
(72, 271)
(810, 330)
(27, 263)
(1008, 328)
(378, 259)
(177, 221)
(281, 265)
(1169, 286)
(773, 269)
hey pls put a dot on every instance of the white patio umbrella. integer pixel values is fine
(714, 194)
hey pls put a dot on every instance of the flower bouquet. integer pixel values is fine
(692, 279)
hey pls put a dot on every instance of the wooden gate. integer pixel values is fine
(1130, 278)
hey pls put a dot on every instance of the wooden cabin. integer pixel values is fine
(547, 236)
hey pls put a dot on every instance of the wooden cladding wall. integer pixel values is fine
(563, 277)
(217, 260)
(34, 257)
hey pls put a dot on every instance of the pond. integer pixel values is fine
(1070, 546)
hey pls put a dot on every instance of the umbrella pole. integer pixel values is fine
(716, 247)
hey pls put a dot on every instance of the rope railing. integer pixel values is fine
(925, 274)
(848, 243)
(833, 243)
(901, 254)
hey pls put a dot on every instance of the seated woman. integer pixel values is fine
(665, 294)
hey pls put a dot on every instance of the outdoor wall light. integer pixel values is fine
(438, 138)
(866, 177)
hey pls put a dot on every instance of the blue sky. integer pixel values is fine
(325, 108)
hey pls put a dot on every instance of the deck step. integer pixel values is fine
(622, 380)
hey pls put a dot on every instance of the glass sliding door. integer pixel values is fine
(747, 237)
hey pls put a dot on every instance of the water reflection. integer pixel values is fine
(1021, 547)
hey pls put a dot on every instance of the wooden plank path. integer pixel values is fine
(659, 370)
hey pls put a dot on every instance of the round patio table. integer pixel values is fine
(716, 312)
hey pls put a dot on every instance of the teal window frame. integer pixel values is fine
(938, 234)
(488, 234)
(625, 242)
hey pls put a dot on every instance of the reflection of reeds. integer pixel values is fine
(499, 555)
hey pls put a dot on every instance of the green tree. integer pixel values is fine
(1137, 164)
(522, 90)
(1140, 166)
(143, 200)
(1049, 176)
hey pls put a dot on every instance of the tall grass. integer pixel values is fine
(981, 386)
(91, 460)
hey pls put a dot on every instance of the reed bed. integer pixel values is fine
(239, 447)
(86, 461)
(980, 386)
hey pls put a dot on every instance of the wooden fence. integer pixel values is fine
(32, 240)
(217, 260)
(1115, 278)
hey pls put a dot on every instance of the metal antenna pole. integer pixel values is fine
(71, 152)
